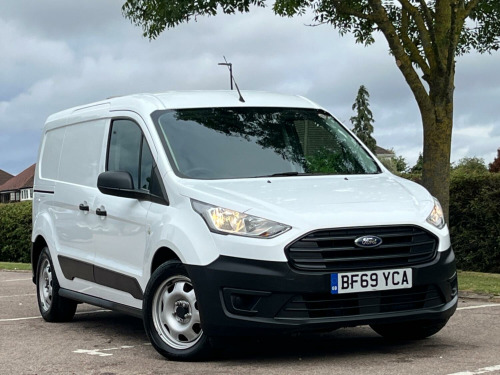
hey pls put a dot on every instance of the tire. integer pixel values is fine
(413, 330)
(171, 315)
(52, 306)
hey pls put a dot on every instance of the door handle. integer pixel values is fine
(83, 207)
(101, 212)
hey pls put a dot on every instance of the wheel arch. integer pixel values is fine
(36, 249)
(162, 255)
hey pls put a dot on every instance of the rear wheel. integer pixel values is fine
(415, 330)
(172, 316)
(53, 307)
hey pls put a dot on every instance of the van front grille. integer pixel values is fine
(341, 305)
(335, 250)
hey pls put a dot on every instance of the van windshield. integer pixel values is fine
(220, 143)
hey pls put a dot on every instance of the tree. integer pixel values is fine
(494, 167)
(424, 36)
(419, 165)
(469, 166)
(400, 163)
(363, 121)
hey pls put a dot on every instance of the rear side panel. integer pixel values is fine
(65, 186)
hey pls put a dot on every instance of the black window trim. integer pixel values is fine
(147, 195)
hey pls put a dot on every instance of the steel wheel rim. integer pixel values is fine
(45, 285)
(176, 316)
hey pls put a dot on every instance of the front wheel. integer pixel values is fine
(172, 316)
(413, 330)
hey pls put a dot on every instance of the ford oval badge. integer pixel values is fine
(368, 241)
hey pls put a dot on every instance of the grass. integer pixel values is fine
(486, 283)
(14, 266)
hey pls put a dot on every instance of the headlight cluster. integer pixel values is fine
(226, 221)
(436, 217)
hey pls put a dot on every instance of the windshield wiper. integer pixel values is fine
(281, 174)
(284, 174)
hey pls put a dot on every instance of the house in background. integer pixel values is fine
(4, 177)
(18, 188)
(383, 154)
(387, 157)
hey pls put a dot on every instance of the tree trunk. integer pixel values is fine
(437, 150)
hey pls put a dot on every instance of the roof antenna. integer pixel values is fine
(231, 78)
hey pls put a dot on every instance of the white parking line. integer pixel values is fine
(478, 307)
(7, 281)
(39, 317)
(19, 295)
(16, 319)
(99, 352)
(479, 371)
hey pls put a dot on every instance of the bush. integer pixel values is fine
(469, 166)
(15, 232)
(475, 220)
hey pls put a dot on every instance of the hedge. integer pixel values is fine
(475, 221)
(474, 224)
(15, 232)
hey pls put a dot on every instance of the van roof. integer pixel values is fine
(149, 102)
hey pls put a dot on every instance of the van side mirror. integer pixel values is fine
(119, 184)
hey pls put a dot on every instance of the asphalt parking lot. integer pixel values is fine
(98, 341)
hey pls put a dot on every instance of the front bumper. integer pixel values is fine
(240, 296)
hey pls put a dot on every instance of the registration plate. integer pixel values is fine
(354, 282)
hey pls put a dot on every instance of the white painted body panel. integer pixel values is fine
(127, 239)
(315, 202)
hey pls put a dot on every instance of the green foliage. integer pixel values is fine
(401, 164)
(15, 232)
(363, 121)
(484, 36)
(469, 166)
(358, 17)
(411, 18)
(417, 168)
(396, 164)
(154, 16)
(475, 221)
(330, 161)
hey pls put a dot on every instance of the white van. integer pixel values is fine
(209, 216)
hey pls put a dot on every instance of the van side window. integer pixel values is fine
(129, 152)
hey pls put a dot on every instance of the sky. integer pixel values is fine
(57, 54)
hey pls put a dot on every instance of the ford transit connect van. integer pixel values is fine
(207, 216)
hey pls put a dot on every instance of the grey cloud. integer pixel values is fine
(27, 58)
(61, 19)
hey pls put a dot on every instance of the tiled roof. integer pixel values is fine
(4, 177)
(22, 180)
(382, 151)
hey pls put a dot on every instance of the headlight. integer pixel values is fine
(225, 221)
(436, 217)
